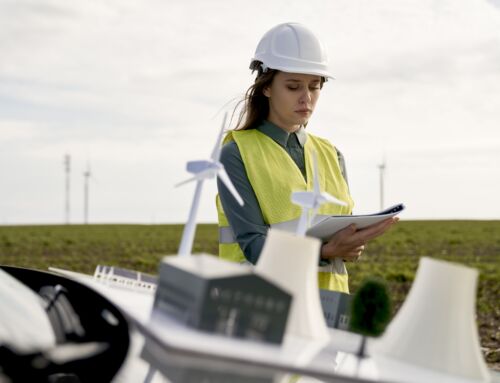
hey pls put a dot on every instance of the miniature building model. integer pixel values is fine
(213, 295)
(336, 308)
(125, 278)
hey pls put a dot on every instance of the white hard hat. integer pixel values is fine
(293, 48)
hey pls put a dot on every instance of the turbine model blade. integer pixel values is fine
(209, 172)
(216, 151)
(186, 181)
(227, 181)
(329, 198)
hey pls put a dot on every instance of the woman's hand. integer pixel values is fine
(349, 243)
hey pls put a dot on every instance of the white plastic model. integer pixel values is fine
(134, 280)
(312, 200)
(202, 170)
(436, 327)
(291, 261)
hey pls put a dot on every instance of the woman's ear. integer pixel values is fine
(266, 92)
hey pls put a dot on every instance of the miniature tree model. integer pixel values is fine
(370, 310)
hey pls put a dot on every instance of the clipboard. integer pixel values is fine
(325, 228)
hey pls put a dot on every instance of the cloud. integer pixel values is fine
(137, 87)
(496, 3)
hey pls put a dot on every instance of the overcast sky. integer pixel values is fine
(137, 88)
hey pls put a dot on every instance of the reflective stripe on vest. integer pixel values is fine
(274, 176)
(226, 234)
(226, 237)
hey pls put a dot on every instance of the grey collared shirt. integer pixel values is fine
(247, 221)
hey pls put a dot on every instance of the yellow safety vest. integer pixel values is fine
(274, 176)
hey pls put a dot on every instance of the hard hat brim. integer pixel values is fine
(292, 69)
(319, 72)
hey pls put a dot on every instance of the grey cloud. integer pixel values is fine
(439, 65)
(496, 3)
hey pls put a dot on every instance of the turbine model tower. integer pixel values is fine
(202, 170)
(312, 200)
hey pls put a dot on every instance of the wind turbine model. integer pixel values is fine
(202, 170)
(312, 200)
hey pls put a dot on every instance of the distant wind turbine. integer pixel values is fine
(202, 170)
(312, 200)
(86, 176)
(382, 170)
(67, 170)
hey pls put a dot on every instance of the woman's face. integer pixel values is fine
(292, 99)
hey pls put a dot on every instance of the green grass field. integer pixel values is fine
(393, 257)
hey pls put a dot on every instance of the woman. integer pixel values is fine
(268, 156)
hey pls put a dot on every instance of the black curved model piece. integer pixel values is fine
(89, 330)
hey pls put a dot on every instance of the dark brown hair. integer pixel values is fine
(255, 104)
